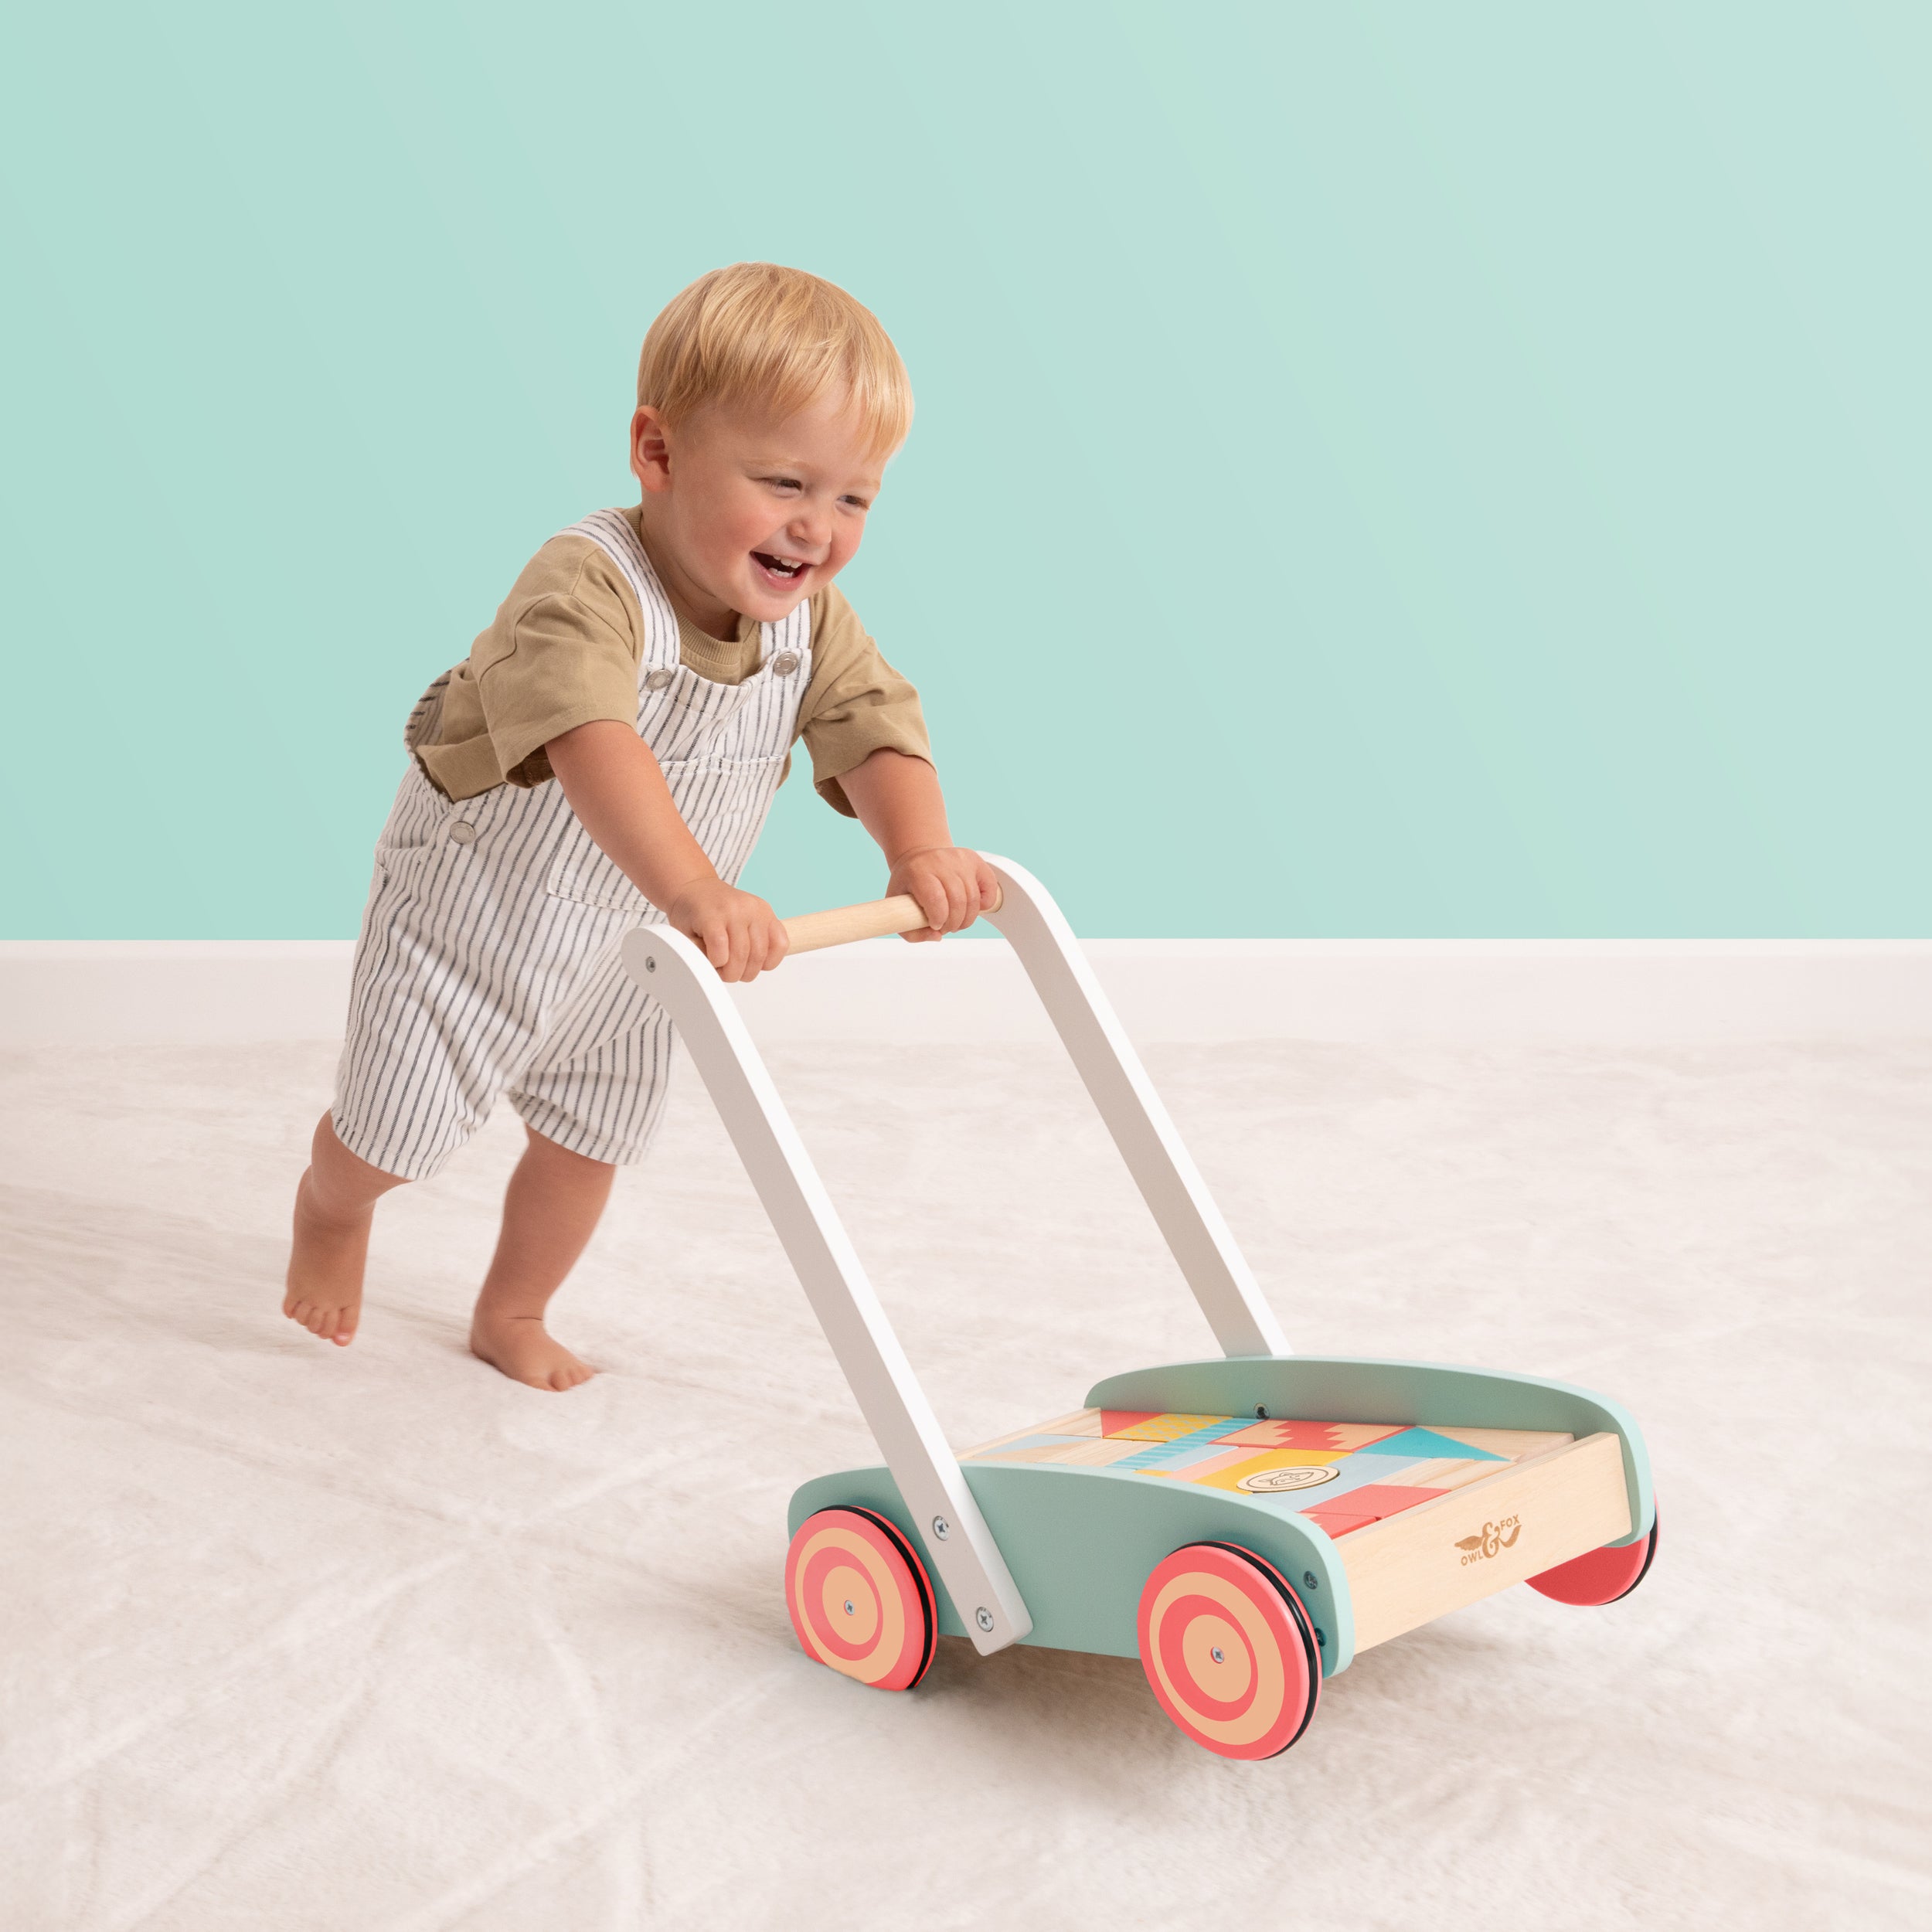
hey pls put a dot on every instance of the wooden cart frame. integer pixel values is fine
(1048, 1554)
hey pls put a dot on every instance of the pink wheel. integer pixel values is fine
(1228, 1650)
(860, 1598)
(1601, 1576)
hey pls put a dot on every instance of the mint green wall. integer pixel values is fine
(1379, 469)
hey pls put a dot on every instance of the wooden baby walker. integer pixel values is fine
(1245, 1527)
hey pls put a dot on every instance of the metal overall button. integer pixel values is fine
(657, 680)
(461, 832)
(785, 663)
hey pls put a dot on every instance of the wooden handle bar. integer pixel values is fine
(810, 931)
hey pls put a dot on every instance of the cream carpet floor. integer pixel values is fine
(294, 1638)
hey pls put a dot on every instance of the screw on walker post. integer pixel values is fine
(1164, 1517)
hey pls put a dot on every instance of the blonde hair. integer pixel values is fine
(757, 335)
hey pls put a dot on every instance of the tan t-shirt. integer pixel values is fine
(564, 649)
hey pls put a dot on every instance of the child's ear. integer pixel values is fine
(650, 449)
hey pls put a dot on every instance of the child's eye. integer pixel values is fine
(857, 502)
(784, 482)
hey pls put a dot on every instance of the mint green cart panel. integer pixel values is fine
(1081, 1542)
(1359, 1389)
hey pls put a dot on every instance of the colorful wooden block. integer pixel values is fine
(1161, 1428)
(1513, 1445)
(1338, 1438)
(1278, 1472)
(1382, 1499)
(1427, 1442)
(1445, 1474)
(1197, 1465)
(1092, 1453)
(1336, 1523)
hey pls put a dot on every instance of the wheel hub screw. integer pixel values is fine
(848, 1606)
(941, 1527)
(983, 1617)
(650, 963)
(1309, 1580)
(1216, 1654)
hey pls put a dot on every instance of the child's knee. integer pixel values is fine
(546, 1148)
(342, 1177)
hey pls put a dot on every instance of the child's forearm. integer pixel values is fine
(618, 793)
(898, 801)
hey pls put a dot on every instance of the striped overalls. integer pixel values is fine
(488, 954)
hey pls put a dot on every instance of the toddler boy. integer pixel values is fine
(605, 757)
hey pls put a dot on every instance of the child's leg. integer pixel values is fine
(550, 1209)
(333, 1205)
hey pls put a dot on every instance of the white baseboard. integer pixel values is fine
(1472, 991)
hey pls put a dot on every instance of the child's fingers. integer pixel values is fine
(740, 950)
(771, 939)
(933, 902)
(956, 913)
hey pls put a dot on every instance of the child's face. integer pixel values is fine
(757, 514)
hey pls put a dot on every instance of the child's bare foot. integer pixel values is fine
(523, 1349)
(334, 1205)
(325, 1268)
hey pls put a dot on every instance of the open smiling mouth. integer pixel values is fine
(782, 567)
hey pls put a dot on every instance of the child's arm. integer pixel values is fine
(898, 801)
(618, 793)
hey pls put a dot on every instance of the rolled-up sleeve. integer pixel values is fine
(562, 652)
(562, 666)
(855, 704)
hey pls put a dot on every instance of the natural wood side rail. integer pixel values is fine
(1528, 1518)
(876, 918)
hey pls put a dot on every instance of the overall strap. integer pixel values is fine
(611, 531)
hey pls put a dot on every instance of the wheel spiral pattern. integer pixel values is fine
(860, 1598)
(1228, 1650)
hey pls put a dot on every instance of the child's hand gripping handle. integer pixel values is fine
(876, 920)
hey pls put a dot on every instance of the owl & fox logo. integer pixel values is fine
(1489, 1539)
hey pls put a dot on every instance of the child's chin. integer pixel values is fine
(766, 605)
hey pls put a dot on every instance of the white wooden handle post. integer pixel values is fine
(1170, 1183)
(669, 967)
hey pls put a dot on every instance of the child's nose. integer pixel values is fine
(812, 526)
